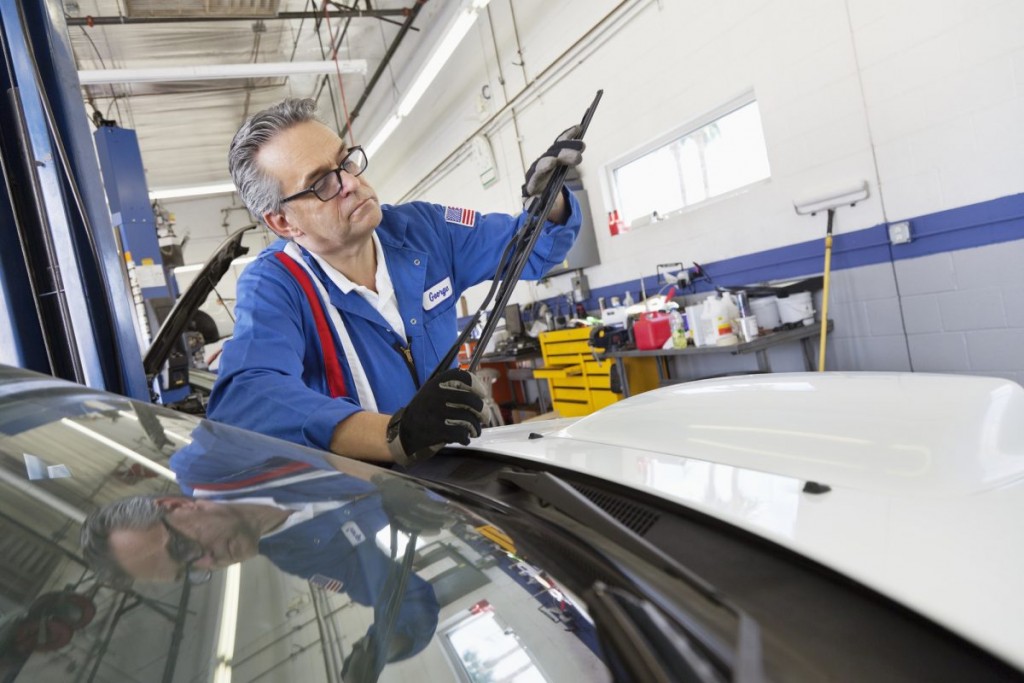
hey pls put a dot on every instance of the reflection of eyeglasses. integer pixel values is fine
(327, 186)
(186, 551)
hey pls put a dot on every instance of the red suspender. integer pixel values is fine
(335, 378)
(277, 473)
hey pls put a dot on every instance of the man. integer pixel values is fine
(341, 322)
(307, 517)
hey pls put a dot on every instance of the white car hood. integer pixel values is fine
(926, 473)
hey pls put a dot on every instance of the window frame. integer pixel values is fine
(678, 133)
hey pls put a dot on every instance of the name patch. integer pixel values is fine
(353, 533)
(436, 294)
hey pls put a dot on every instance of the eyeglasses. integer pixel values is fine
(327, 186)
(186, 551)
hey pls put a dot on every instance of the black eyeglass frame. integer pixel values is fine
(183, 549)
(337, 173)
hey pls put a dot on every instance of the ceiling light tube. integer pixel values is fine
(382, 135)
(120, 448)
(437, 60)
(43, 496)
(228, 626)
(206, 72)
(464, 20)
(191, 191)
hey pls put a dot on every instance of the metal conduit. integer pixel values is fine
(383, 64)
(340, 13)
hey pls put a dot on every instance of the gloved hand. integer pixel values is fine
(564, 152)
(447, 409)
(410, 508)
(362, 663)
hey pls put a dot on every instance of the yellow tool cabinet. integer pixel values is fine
(579, 383)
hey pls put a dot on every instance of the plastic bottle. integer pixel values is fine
(731, 309)
(675, 322)
(627, 300)
(620, 225)
(721, 310)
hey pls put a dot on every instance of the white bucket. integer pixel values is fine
(797, 308)
(766, 310)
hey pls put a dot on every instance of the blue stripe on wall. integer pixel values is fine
(975, 225)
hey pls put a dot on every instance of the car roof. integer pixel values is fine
(920, 477)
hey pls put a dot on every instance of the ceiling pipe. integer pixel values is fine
(209, 72)
(340, 13)
(368, 90)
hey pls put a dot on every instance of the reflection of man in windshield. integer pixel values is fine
(307, 518)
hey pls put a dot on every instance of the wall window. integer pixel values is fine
(722, 153)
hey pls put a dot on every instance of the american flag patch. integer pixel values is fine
(454, 214)
(326, 582)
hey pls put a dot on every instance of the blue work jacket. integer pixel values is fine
(335, 549)
(272, 377)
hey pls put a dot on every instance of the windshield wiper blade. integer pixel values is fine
(513, 260)
(747, 662)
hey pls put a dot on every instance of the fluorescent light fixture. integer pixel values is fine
(464, 19)
(208, 72)
(228, 624)
(120, 448)
(382, 135)
(437, 60)
(167, 432)
(192, 191)
(43, 496)
(196, 267)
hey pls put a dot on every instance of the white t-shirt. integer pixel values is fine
(383, 300)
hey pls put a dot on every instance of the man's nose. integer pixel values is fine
(348, 183)
(205, 561)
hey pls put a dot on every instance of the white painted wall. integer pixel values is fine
(921, 98)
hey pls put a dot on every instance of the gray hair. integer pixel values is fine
(136, 512)
(259, 191)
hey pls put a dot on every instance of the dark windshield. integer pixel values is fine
(345, 570)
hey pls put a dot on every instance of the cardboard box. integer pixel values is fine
(522, 414)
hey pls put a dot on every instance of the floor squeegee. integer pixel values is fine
(829, 202)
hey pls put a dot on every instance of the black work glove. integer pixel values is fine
(566, 151)
(362, 664)
(447, 409)
(410, 507)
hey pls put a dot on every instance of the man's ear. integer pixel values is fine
(170, 503)
(280, 225)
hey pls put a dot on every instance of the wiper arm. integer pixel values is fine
(640, 639)
(747, 664)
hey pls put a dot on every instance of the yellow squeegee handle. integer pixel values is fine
(824, 293)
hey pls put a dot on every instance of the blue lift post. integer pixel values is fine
(128, 195)
(65, 305)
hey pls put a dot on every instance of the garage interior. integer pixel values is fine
(733, 141)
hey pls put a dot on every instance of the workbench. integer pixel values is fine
(517, 368)
(805, 334)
